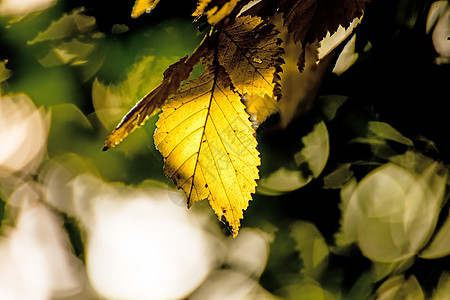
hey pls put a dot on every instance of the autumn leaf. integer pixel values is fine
(204, 131)
(260, 108)
(215, 11)
(142, 6)
(250, 52)
(209, 146)
(310, 20)
(148, 105)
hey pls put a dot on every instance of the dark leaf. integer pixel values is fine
(310, 20)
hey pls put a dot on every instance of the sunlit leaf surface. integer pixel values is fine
(215, 11)
(143, 6)
(208, 145)
(252, 63)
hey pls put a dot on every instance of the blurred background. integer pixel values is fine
(353, 197)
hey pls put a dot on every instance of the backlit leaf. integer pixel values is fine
(208, 145)
(204, 132)
(310, 20)
(142, 6)
(215, 11)
(260, 108)
(250, 51)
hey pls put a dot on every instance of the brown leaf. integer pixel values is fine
(310, 20)
(250, 52)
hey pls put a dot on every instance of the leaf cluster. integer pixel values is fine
(351, 166)
(242, 57)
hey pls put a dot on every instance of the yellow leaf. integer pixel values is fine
(215, 14)
(260, 108)
(209, 146)
(204, 131)
(142, 6)
(250, 51)
(201, 6)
